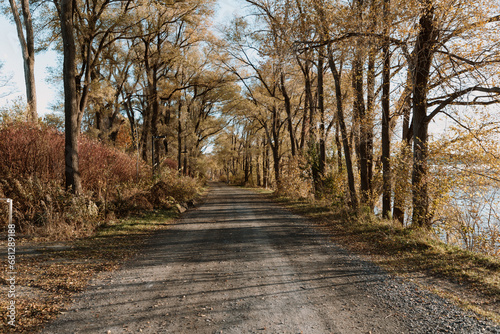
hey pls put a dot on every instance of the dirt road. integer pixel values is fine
(240, 264)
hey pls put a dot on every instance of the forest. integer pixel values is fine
(379, 107)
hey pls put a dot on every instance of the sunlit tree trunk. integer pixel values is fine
(321, 108)
(179, 137)
(288, 109)
(386, 139)
(424, 53)
(359, 113)
(72, 173)
(343, 132)
(265, 163)
(338, 144)
(398, 212)
(28, 52)
(308, 92)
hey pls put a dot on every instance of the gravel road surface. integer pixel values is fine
(240, 264)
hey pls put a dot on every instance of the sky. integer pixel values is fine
(10, 55)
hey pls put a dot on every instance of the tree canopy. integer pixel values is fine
(334, 99)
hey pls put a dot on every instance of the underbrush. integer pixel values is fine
(114, 184)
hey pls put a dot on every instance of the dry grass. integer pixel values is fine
(32, 175)
(49, 274)
(471, 280)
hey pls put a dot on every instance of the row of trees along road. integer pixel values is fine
(337, 87)
(356, 80)
(149, 67)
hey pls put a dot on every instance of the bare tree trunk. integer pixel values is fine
(179, 139)
(398, 212)
(186, 167)
(72, 173)
(368, 123)
(339, 147)
(146, 133)
(343, 131)
(359, 113)
(288, 109)
(247, 162)
(277, 171)
(155, 112)
(28, 51)
(386, 139)
(265, 163)
(259, 183)
(321, 107)
(275, 147)
(423, 50)
(308, 93)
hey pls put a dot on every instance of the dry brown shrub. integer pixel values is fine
(32, 174)
(295, 181)
(173, 188)
(46, 210)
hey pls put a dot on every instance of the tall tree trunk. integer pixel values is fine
(167, 125)
(359, 113)
(247, 162)
(277, 167)
(308, 97)
(338, 144)
(186, 167)
(424, 53)
(28, 51)
(259, 183)
(72, 173)
(343, 131)
(288, 109)
(146, 133)
(154, 100)
(265, 163)
(275, 147)
(321, 108)
(368, 122)
(398, 212)
(386, 139)
(179, 138)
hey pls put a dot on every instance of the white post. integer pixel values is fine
(9, 202)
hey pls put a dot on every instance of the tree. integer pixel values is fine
(386, 115)
(71, 111)
(430, 43)
(26, 38)
(262, 86)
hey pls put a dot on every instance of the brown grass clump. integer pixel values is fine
(45, 209)
(173, 188)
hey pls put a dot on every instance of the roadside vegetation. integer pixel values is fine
(50, 273)
(63, 240)
(115, 184)
(470, 279)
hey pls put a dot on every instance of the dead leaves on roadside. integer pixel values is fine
(48, 277)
